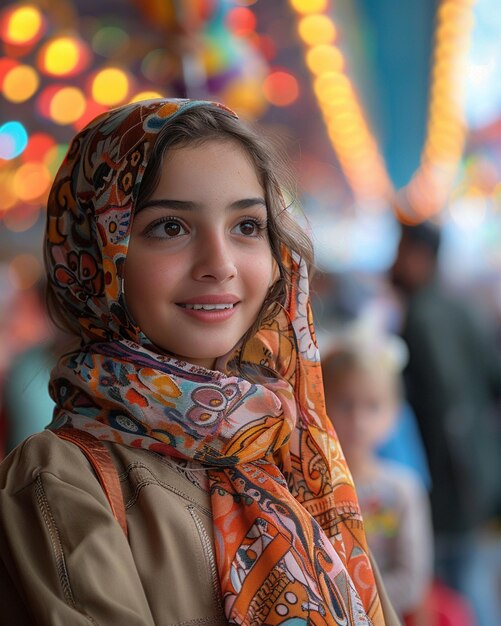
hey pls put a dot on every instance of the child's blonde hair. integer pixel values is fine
(365, 348)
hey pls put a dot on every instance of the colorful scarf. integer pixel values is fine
(289, 539)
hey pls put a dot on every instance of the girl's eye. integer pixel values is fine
(172, 229)
(166, 229)
(250, 227)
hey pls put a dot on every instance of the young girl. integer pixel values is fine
(170, 253)
(362, 393)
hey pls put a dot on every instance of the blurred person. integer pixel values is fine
(378, 310)
(363, 396)
(453, 380)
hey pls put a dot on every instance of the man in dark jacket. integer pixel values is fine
(453, 380)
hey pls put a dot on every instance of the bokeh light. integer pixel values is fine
(267, 47)
(309, 6)
(22, 219)
(146, 95)
(158, 66)
(7, 198)
(67, 105)
(110, 41)
(241, 21)
(31, 180)
(13, 139)
(110, 86)
(22, 25)
(54, 157)
(25, 270)
(332, 88)
(38, 146)
(324, 58)
(281, 88)
(245, 96)
(6, 64)
(317, 30)
(44, 99)
(214, 59)
(63, 56)
(20, 83)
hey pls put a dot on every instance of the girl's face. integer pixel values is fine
(199, 264)
(362, 405)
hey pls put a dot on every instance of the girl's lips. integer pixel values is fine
(213, 315)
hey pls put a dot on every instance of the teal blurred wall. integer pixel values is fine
(397, 40)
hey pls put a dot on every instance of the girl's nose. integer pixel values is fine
(214, 260)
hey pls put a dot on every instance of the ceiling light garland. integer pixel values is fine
(347, 127)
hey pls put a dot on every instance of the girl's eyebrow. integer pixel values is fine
(245, 203)
(188, 205)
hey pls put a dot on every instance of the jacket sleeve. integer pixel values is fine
(63, 557)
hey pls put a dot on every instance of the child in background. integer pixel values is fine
(363, 393)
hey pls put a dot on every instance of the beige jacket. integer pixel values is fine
(65, 561)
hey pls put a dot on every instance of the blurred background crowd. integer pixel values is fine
(391, 113)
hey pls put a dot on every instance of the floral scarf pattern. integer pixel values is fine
(289, 538)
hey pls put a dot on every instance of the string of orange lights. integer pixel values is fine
(354, 143)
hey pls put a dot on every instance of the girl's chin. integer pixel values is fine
(214, 363)
(207, 363)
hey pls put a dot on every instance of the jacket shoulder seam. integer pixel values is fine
(57, 547)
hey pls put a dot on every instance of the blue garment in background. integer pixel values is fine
(27, 405)
(405, 446)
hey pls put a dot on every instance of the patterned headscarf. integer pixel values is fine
(289, 539)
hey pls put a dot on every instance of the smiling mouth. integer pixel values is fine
(207, 307)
